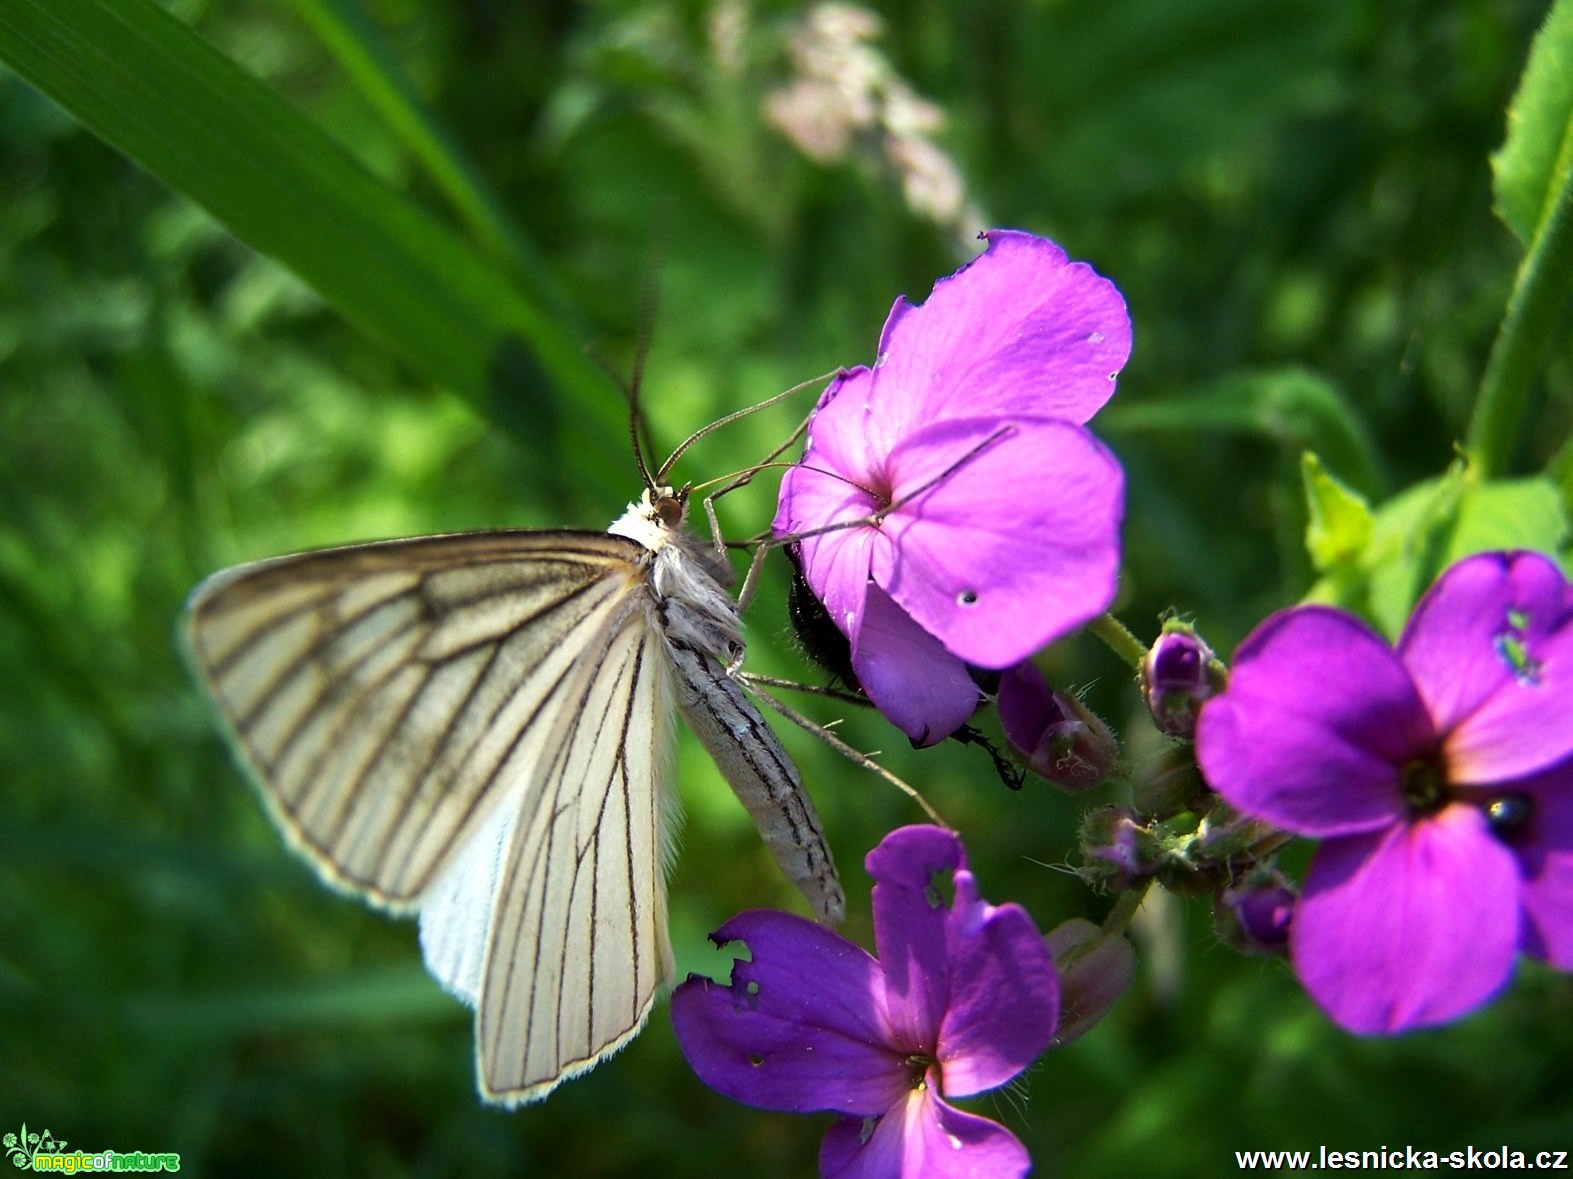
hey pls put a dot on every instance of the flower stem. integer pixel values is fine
(1124, 909)
(1538, 293)
(1119, 639)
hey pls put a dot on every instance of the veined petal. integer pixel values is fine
(912, 869)
(830, 486)
(1545, 856)
(1451, 642)
(1018, 331)
(922, 1138)
(812, 497)
(921, 688)
(838, 431)
(1004, 994)
(1490, 647)
(1315, 727)
(1408, 927)
(1015, 544)
(800, 1028)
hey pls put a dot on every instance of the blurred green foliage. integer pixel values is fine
(1295, 199)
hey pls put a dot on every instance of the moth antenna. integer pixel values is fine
(773, 542)
(735, 415)
(649, 303)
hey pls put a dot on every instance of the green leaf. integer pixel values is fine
(152, 88)
(358, 45)
(1340, 523)
(1405, 551)
(1560, 469)
(1532, 165)
(1534, 195)
(1294, 406)
(1420, 532)
(1510, 514)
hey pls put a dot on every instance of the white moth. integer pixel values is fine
(477, 728)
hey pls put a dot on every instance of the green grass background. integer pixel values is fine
(1280, 189)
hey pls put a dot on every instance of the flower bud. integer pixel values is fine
(1095, 968)
(1178, 675)
(1254, 915)
(1052, 734)
(1170, 784)
(1118, 851)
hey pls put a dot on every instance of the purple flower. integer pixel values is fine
(962, 997)
(1439, 777)
(992, 515)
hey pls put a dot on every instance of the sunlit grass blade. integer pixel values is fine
(154, 89)
(346, 31)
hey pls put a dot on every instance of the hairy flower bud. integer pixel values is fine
(1253, 916)
(1178, 675)
(1052, 734)
(1118, 851)
(1095, 967)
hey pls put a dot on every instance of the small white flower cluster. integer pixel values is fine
(845, 93)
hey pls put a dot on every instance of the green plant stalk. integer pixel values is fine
(355, 42)
(1539, 291)
(1126, 904)
(152, 88)
(1119, 639)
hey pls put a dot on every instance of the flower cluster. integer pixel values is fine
(953, 508)
(845, 95)
(962, 997)
(1438, 776)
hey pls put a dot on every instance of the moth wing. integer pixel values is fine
(386, 697)
(577, 947)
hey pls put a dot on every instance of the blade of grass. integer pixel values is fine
(357, 44)
(152, 88)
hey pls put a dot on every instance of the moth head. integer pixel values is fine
(668, 506)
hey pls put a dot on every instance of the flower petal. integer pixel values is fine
(910, 867)
(923, 689)
(836, 567)
(1408, 927)
(1004, 993)
(830, 486)
(1015, 543)
(801, 1026)
(1545, 855)
(1315, 726)
(922, 1138)
(1018, 331)
(1490, 647)
(837, 442)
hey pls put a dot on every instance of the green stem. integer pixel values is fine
(1119, 639)
(1538, 293)
(347, 33)
(1124, 910)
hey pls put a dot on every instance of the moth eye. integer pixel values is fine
(669, 509)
